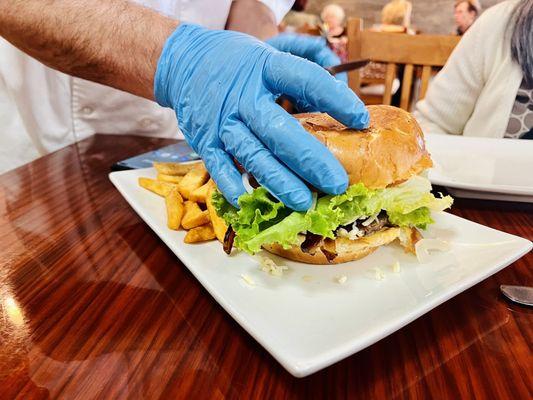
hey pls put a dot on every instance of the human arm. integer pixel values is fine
(453, 93)
(222, 86)
(116, 43)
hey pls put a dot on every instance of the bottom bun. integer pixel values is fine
(350, 250)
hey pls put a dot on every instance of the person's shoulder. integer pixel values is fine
(499, 12)
(494, 22)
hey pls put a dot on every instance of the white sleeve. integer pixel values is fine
(453, 93)
(278, 7)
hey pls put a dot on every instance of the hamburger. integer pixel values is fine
(388, 199)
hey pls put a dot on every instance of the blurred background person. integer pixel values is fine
(396, 17)
(334, 25)
(486, 87)
(465, 13)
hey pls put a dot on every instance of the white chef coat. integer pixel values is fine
(42, 110)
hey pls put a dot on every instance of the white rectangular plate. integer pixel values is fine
(482, 164)
(308, 320)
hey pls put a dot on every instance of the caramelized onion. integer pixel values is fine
(229, 237)
(310, 243)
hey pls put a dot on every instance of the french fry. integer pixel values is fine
(169, 178)
(174, 203)
(170, 168)
(219, 226)
(200, 194)
(194, 216)
(194, 179)
(200, 234)
(158, 187)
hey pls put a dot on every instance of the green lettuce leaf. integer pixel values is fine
(421, 218)
(285, 233)
(258, 211)
(263, 220)
(413, 194)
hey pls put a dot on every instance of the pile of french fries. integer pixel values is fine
(187, 190)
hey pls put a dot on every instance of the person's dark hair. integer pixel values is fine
(522, 38)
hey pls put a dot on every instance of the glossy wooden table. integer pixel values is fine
(94, 306)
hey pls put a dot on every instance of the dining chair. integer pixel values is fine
(394, 49)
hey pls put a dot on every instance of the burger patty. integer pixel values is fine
(381, 221)
(313, 242)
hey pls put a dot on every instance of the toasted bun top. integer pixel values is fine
(389, 152)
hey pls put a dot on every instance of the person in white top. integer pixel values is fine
(221, 85)
(486, 87)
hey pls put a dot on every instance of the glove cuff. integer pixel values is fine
(167, 72)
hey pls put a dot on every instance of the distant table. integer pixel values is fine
(95, 306)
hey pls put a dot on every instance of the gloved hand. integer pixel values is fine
(223, 85)
(312, 48)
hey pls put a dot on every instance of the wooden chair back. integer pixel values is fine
(393, 49)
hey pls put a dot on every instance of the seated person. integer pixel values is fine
(465, 13)
(486, 87)
(333, 19)
(395, 17)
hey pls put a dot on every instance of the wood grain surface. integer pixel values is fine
(94, 306)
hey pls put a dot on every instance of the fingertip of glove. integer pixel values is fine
(299, 200)
(360, 118)
(336, 182)
(337, 187)
(234, 202)
(364, 119)
(231, 190)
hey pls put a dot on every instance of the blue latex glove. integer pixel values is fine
(312, 48)
(223, 86)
